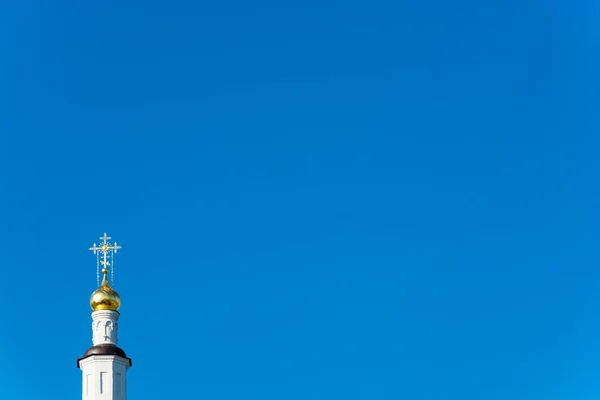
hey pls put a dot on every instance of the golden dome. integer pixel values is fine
(105, 298)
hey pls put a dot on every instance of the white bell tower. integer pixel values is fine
(104, 365)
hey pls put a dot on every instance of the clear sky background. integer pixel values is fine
(316, 199)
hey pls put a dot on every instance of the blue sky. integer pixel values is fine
(316, 200)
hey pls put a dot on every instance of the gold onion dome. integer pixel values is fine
(105, 297)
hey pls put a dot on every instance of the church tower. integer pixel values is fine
(104, 365)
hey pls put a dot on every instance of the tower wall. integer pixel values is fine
(104, 377)
(105, 327)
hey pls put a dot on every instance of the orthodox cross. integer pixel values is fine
(105, 250)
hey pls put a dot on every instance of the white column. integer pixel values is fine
(104, 327)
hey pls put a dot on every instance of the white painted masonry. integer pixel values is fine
(104, 327)
(104, 376)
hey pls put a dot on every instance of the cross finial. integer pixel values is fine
(105, 250)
